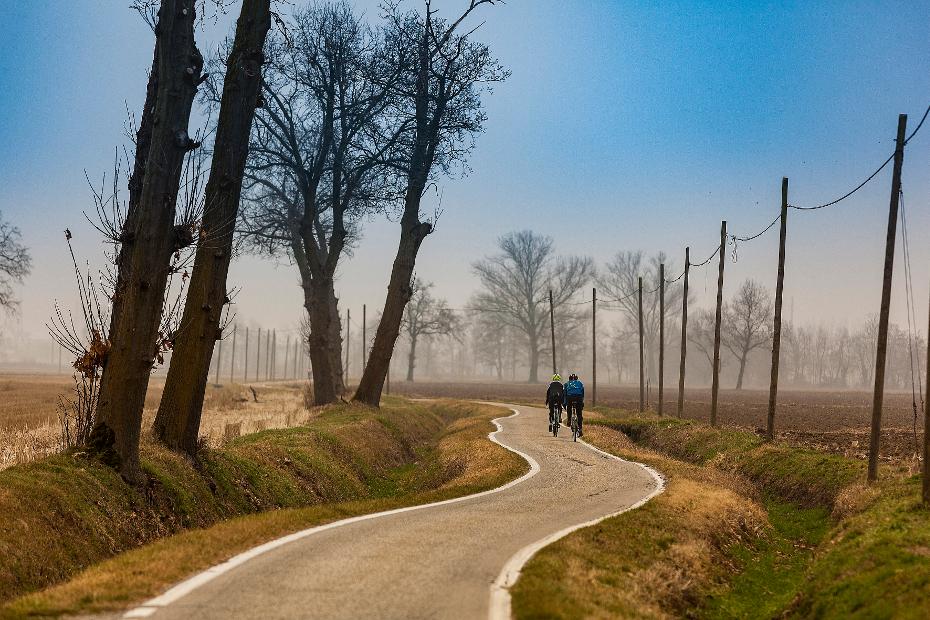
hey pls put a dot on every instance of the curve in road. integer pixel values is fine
(451, 559)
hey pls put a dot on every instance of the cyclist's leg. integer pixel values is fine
(580, 407)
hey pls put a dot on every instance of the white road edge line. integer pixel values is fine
(499, 607)
(192, 583)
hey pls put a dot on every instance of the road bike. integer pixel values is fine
(555, 418)
(573, 421)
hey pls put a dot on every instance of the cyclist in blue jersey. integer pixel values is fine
(574, 400)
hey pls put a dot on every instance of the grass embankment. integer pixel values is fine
(68, 518)
(744, 530)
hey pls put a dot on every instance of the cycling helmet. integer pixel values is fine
(557, 377)
(573, 377)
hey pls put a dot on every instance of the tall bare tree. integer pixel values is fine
(15, 263)
(319, 162)
(747, 323)
(177, 423)
(154, 239)
(425, 316)
(620, 279)
(516, 285)
(439, 100)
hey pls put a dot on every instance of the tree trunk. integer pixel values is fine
(177, 423)
(534, 359)
(742, 369)
(413, 232)
(412, 358)
(325, 342)
(115, 436)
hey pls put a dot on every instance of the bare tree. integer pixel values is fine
(620, 279)
(438, 102)
(15, 263)
(153, 238)
(516, 285)
(177, 423)
(318, 162)
(747, 323)
(425, 316)
(701, 334)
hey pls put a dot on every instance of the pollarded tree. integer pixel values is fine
(15, 263)
(177, 423)
(149, 239)
(425, 316)
(437, 104)
(516, 284)
(747, 323)
(620, 279)
(318, 161)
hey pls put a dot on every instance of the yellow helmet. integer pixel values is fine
(557, 377)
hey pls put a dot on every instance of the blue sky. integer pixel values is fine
(625, 125)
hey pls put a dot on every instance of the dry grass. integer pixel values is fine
(658, 561)
(29, 427)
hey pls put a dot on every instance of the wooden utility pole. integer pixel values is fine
(258, 355)
(552, 331)
(715, 388)
(219, 360)
(287, 354)
(232, 361)
(593, 346)
(882, 349)
(364, 334)
(274, 353)
(245, 371)
(267, 354)
(661, 335)
(348, 342)
(926, 464)
(642, 370)
(776, 331)
(298, 360)
(684, 336)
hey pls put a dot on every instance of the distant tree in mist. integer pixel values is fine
(15, 263)
(516, 284)
(424, 317)
(747, 323)
(619, 280)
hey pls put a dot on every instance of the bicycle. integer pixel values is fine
(573, 421)
(555, 418)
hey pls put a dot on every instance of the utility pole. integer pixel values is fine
(661, 334)
(245, 372)
(926, 465)
(219, 358)
(882, 349)
(297, 359)
(267, 354)
(258, 355)
(552, 331)
(364, 335)
(348, 342)
(274, 354)
(715, 389)
(594, 346)
(684, 336)
(776, 331)
(287, 354)
(232, 362)
(642, 373)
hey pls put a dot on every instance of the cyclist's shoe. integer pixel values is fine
(550, 427)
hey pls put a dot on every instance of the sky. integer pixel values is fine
(624, 126)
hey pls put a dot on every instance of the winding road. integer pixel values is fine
(454, 559)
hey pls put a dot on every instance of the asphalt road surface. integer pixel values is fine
(452, 560)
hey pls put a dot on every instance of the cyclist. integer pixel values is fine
(574, 400)
(555, 396)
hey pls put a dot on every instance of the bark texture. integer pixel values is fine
(177, 423)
